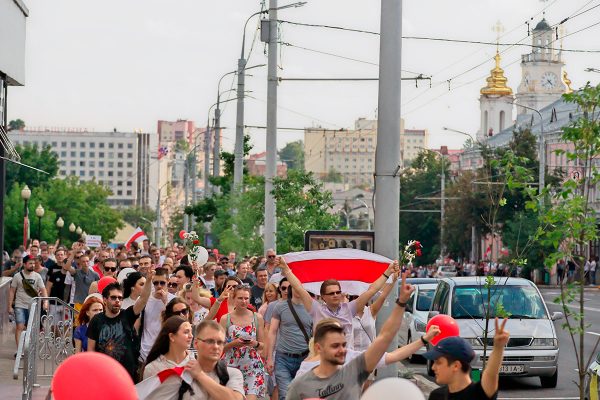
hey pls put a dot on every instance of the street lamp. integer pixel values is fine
(39, 211)
(79, 231)
(364, 204)
(83, 235)
(25, 195)
(72, 228)
(59, 224)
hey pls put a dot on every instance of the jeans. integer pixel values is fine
(285, 371)
(21, 315)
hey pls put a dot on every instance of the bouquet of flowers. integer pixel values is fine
(191, 242)
(412, 249)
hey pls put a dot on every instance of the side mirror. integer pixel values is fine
(432, 314)
(556, 316)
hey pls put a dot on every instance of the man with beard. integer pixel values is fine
(332, 379)
(113, 333)
(109, 269)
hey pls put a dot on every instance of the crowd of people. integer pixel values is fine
(242, 327)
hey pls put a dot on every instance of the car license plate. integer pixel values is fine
(512, 369)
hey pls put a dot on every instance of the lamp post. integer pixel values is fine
(364, 204)
(72, 228)
(79, 231)
(59, 224)
(25, 195)
(83, 235)
(39, 211)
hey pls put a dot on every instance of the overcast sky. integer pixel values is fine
(126, 64)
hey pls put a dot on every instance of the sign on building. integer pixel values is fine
(323, 240)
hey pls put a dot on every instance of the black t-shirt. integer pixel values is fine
(58, 285)
(116, 337)
(472, 392)
(256, 294)
(51, 265)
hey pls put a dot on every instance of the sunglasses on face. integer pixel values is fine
(115, 298)
(284, 288)
(159, 283)
(172, 284)
(336, 293)
(110, 269)
(270, 256)
(135, 266)
(185, 311)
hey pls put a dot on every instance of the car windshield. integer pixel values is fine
(424, 299)
(518, 302)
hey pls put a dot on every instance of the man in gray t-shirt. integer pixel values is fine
(291, 345)
(332, 379)
(83, 277)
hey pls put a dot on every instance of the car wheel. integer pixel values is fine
(549, 381)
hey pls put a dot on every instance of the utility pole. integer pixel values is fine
(158, 230)
(388, 160)
(207, 158)
(186, 193)
(194, 175)
(217, 146)
(270, 233)
(443, 152)
(238, 165)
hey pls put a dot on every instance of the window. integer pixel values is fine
(63, 144)
(63, 153)
(73, 172)
(120, 173)
(91, 173)
(101, 145)
(110, 173)
(73, 154)
(82, 173)
(92, 164)
(73, 144)
(120, 145)
(129, 174)
(111, 164)
(119, 183)
(63, 173)
(100, 173)
(129, 193)
(129, 155)
(101, 164)
(129, 165)
(119, 164)
(92, 154)
(129, 183)
(82, 163)
(54, 144)
(130, 145)
(82, 154)
(111, 155)
(119, 155)
(101, 154)
(502, 116)
(92, 145)
(119, 193)
(82, 145)
(111, 145)
(63, 163)
(73, 163)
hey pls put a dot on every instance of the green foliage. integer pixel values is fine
(293, 155)
(333, 176)
(182, 146)
(43, 159)
(139, 216)
(16, 125)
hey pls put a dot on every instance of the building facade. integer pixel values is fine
(125, 162)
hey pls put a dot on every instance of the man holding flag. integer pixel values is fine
(138, 237)
(331, 293)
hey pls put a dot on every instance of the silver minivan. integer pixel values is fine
(533, 346)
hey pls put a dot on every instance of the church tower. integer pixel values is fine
(542, 76)
(495, 103)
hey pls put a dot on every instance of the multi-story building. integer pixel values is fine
(170, 132)
(351, 153)
(127, 163)
(257, 165)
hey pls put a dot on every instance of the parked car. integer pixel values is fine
(446, 271)
(593, 372)
(533, 346)
(415, 314)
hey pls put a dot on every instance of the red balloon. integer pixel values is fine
(93, 376)
(448, 327)
(104, 282)
(182, 234)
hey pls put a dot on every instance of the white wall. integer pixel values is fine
(12, 40)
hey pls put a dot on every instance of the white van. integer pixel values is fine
(533, 346)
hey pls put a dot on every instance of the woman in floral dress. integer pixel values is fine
(245, 332)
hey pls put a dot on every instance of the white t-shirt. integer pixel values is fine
(152, 323)
(364, 330)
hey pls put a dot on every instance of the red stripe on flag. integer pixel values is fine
(342, 270)
(163, 375)
(134, 238)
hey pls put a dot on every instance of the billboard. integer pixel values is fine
(323, 240)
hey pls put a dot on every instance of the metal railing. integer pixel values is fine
(47, 341)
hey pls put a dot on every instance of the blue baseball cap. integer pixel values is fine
(454, 346)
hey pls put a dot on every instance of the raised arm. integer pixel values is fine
(489, 378)
(390, 328)
(203, 301)
(141, 302)
(214, 309)
(307, 301)
(410, 349)
(364, 298)
(387, 288)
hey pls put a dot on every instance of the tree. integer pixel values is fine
(293, 155)
(16, 125)
(182, 146)
(333, 176)
(43, 159)
(572, 221)
(143, 217)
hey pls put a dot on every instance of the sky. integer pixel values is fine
(127, 64)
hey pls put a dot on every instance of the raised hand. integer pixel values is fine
(283, 265)
(502, 335)
(433, 331)
(405, 288)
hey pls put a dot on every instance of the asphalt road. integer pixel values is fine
(529, 388)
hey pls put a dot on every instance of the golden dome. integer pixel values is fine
(567, 82)
(496, 82)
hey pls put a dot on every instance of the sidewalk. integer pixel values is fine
(10, 388)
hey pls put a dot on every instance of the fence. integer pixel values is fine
(47, 341)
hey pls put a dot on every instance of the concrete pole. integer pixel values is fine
(217, 148)
(270, 232)
(186, 193)
(194, 176)
(238, 166)
(442, 210)
(207, 160)
(158, 231)
(388, 160)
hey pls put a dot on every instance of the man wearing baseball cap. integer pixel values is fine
(451, 364)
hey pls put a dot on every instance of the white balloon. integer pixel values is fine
(392, 388)
(123, 274)
(201, 256)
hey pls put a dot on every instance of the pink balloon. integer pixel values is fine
(93, 376)
(104, 282)
(448, 327)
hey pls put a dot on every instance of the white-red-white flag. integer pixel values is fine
(138, 236)
(355, 269)
(148, 387)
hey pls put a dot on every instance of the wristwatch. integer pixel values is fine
(425, 342)
(401, 304)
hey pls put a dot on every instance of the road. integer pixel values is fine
(529, 388)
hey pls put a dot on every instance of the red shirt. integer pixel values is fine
(224, 309)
